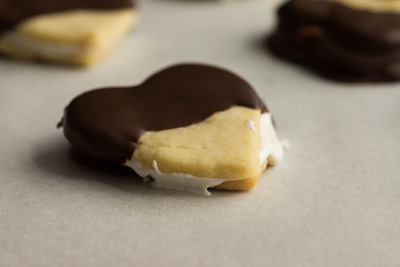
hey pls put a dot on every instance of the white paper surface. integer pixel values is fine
(334, 201)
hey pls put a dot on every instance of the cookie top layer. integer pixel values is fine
(105, 124)
(12, 12)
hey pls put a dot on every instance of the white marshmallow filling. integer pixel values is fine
(42, 47)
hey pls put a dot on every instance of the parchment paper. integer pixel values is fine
(334, 201)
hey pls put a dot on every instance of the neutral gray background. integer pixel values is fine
(334, 201)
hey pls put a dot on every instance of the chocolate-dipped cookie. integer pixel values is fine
(349, 40)
(78, 32)
(189, 127)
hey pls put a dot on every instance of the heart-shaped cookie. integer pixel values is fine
(75, 32)
(188, 126)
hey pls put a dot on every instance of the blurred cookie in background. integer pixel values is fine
(347, 40)
(77, 32)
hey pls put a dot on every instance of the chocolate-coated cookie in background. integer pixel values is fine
(347, 40)
(78, 32)
(187, 127)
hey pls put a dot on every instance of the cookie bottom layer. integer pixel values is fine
(242, 185)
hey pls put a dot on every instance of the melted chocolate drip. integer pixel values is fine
(105, 124)
(13, 12)
(339, 41)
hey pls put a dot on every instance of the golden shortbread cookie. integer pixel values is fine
(222, 146)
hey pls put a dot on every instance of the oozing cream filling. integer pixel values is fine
(42, 47)
(177, 181)
(270, 149)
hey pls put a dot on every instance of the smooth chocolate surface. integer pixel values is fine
(13, 12)
(105, 124)
(339, 41)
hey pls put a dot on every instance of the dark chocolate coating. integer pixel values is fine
(105, 124)
(338, 41)
(13, 12)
